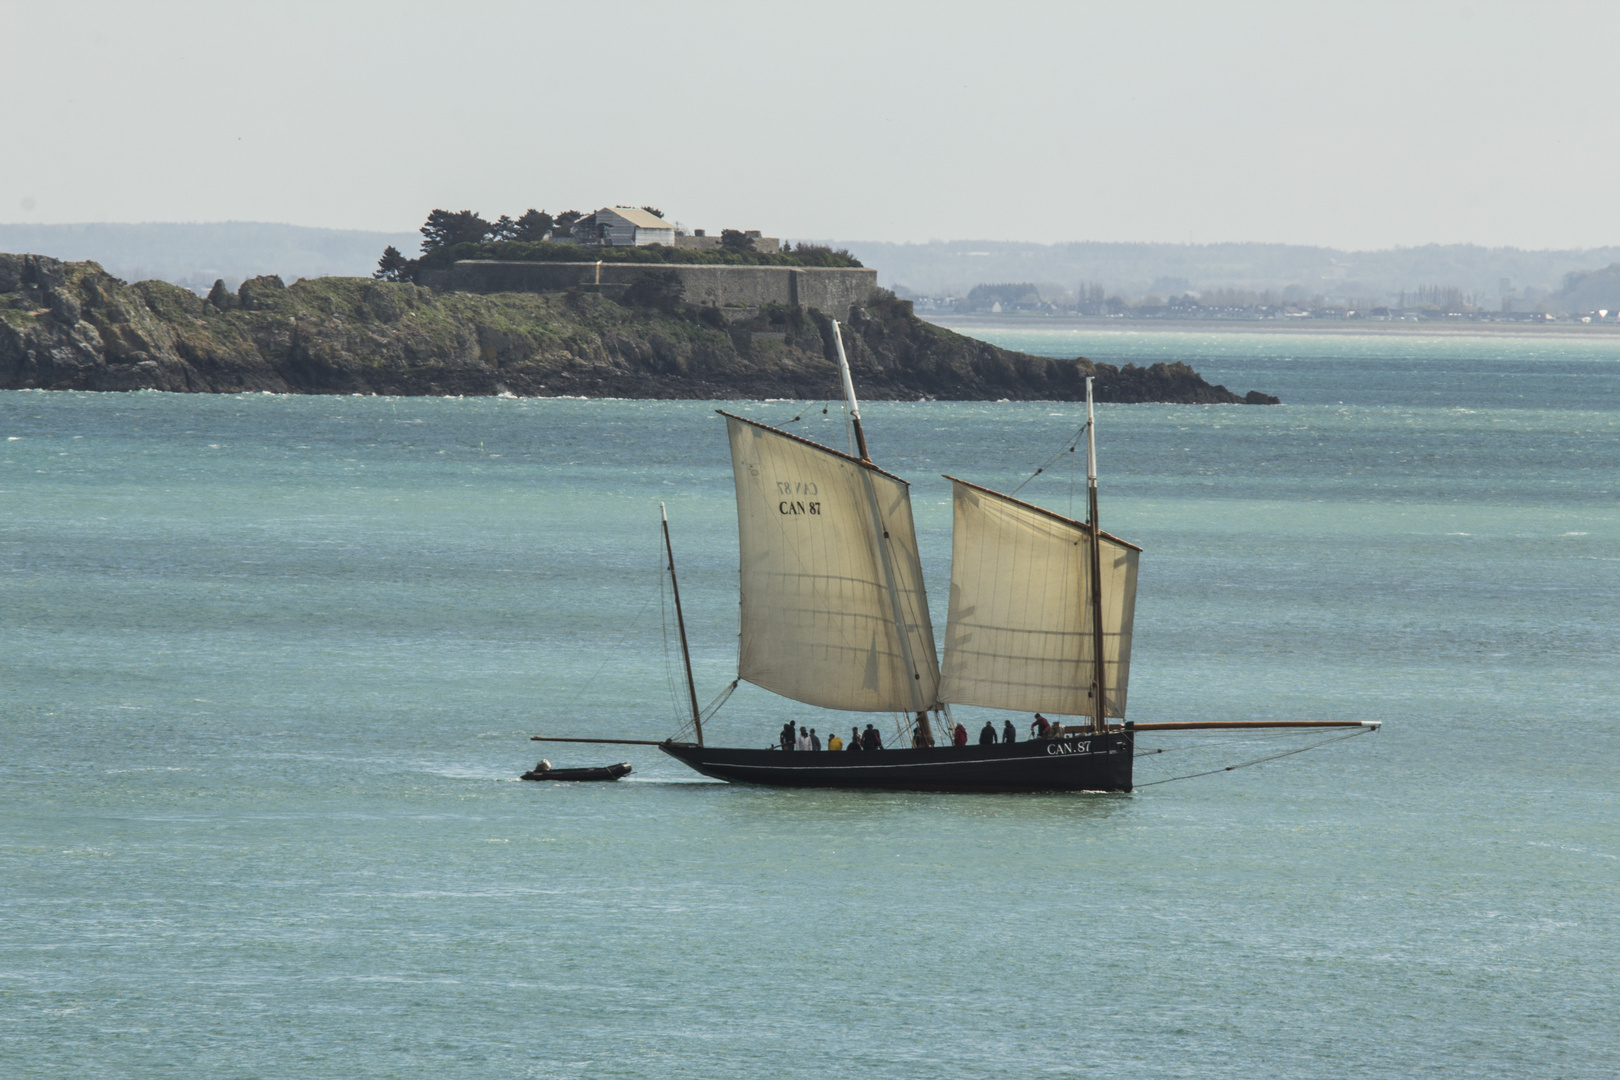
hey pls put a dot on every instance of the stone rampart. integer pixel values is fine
(831, 290)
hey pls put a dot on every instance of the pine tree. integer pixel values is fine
(446, 227)
(533, 225)
(393, 266)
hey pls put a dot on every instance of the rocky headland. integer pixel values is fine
(72, 326)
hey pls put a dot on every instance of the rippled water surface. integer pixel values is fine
(268, 666)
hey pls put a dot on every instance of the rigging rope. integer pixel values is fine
(708, 710)
(1069, 449)
(1257, 761)
(720, 699)
(1217, 741)
(825, 403)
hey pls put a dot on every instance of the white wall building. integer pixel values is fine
(626, 226)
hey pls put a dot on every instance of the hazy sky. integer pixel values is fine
(1356, 125)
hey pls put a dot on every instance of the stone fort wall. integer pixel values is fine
(831, 290)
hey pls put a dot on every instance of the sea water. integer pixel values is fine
(269, 665)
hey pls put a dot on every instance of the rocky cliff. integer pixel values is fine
(72, 326)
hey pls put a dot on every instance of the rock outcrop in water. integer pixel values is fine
(72, 326)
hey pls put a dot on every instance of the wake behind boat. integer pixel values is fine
(834, 614)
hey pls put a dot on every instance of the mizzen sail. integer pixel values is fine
(821, 537)
(1020, 634)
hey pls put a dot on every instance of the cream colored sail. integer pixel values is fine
(1020, 631)
(821, 536)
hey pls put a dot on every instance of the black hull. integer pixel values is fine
(606, 772)
(1074, 763)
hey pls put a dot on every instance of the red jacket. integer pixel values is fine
(959, 736)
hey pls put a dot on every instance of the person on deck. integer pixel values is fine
(987, 734)
(855, 739)
(785, 736)
(1040, 727)
(804, 740)
(959, 736)
(1009, 732)
(923, 734)
(871, 738)
(815, 740)
(834, 742)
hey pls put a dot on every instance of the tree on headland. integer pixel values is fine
(393, 266)
(821, 255)
(446, 227)
(533, 225)
(536, 236)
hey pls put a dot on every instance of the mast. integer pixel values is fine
(680, 621)
(880, 531)
(1099, 709)
(849, 392)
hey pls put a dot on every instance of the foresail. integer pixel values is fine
(1020, 632)
(820, 535)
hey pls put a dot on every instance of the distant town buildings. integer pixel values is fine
(1427, 304)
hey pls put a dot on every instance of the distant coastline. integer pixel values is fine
(962, 324)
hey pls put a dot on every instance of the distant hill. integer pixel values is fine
(1591, 290)
(194, 255)
(953, 268)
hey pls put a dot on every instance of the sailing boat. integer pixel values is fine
(835, 615)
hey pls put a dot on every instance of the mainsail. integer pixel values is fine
(833, 607)
(1020, 634)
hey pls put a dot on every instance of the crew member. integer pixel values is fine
(924, 734)
(1040, 727)
(1009, 733)
(987, 734)
(959, 736)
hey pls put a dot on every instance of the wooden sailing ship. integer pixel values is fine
(834, 614)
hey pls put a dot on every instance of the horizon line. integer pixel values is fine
(1184, 244)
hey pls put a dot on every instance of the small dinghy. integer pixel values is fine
(544, 771)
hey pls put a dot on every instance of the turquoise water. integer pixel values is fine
(268, 666)
(1504, 370)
